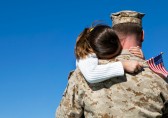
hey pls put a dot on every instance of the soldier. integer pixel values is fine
(140, 95)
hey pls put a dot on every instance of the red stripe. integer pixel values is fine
(153, 65)
(161, 69)
(158, 69)
(164, 69)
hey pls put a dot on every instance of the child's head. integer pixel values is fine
(101, 40)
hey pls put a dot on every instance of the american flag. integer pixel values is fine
(156, 65)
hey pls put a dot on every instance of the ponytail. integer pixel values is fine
(82, 48)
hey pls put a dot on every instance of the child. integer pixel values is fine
(102, 43)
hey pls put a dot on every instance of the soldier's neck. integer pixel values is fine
(129, 42)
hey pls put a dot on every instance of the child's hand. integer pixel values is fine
(137, 52)
(132, 66)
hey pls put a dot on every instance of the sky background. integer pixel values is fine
(37, 40)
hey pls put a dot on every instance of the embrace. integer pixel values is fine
(111, 79)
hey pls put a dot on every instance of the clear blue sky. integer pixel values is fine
(37, 41)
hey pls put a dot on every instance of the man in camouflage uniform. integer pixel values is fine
(140, 95)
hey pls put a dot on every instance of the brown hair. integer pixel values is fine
(128, 28)
(82, 48)
(102, 40)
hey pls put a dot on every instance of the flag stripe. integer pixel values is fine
(156, 65)
(164, 69)
(161, 69)
(152, 66)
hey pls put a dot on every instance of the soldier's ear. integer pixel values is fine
(142, 36)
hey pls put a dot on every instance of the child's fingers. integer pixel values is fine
(136, 53)
(140, 64)
(138, 68)
(135, 47)
(135, 50)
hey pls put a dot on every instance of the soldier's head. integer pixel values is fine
(101, 40)
(128, 26)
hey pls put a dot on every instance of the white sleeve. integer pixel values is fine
(95, 73)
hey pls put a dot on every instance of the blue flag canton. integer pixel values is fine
(158, 60)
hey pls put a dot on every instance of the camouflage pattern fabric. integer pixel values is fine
(142, 95)
(127, 17)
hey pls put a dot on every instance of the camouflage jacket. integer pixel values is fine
(142, 95)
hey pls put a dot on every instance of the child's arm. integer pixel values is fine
(94, 73)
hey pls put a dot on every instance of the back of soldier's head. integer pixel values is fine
(127, 22)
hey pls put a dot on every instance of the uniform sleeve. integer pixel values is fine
(95, 73)
(70, 104)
